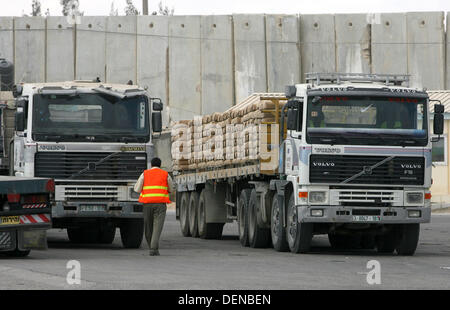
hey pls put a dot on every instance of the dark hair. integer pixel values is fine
(156, 162)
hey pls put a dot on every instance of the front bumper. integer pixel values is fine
(386, 215)
(123, 209)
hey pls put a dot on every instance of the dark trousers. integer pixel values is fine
(154, 216)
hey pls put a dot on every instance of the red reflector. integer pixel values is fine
(303, 194)
(50, 186)
(427, 196)
(34, 199)
(13, 197)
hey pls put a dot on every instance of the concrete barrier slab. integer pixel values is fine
(184, 67)
(317, 43)
(152, 57)
(389, 44)
(353, 45)
(448, 52)
(121, 49)
(217, 63)
(91, 48)
(29, 49)
(250, 55)
(426, 56)
(7, 38)
(60, 50)
(283, 51)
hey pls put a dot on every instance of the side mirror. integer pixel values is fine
(291, 91)
(438, 121)
(20, 119)
(157, 104)
(17, 90)
(157, 122)
(292, 119)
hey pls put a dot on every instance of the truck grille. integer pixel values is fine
(336, 169)
(62, 165)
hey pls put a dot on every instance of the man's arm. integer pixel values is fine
(139, 184)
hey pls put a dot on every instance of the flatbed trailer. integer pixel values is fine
(25, 214)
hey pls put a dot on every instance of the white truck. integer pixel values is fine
(94, 139)
(354, 162)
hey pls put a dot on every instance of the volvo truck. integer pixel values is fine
(94, 139)
(351, 158)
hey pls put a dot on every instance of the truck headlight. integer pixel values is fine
(414, 198)
(317, 197)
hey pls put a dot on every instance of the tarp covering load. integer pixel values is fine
(247, 133)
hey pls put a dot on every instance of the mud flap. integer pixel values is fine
(7, 240)
(32, 240)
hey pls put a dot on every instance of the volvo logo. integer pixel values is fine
(367, 170)
(411, 166)
(323, 164)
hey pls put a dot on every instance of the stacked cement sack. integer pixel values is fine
(245, 133)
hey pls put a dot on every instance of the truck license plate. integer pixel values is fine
(92, 208)
(366, 218)
(10, 220)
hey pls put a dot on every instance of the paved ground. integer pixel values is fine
(188, 263)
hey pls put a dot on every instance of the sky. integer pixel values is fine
(217, 7)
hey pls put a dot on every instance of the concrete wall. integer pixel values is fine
(204, 64)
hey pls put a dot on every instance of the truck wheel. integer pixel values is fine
(257, 237)
(18, 253)
(207, 230)
(193, 208)
(278, 232)
(75, 235)
(184, 214)
(107, 234)
(299, 235)
(408, 235)
(131, 233)
(387, 243)
(242, 212)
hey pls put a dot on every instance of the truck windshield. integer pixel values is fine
(90, 117)
(367, 121)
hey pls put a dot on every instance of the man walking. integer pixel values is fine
(154, 185)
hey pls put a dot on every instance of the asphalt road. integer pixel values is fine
(188, 263)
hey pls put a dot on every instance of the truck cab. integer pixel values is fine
(358, 153)
(94, 139)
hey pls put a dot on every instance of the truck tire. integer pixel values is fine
(408, 238)
(193, 208)
(184, 214)
(242, 212)
(258, 237)
(278, 232)
(299, 235)
(207, 230)
(107, 234)
(387, 242)
(131, 233)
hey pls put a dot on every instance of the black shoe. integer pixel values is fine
(154, 253)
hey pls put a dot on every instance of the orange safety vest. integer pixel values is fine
(155, 188)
